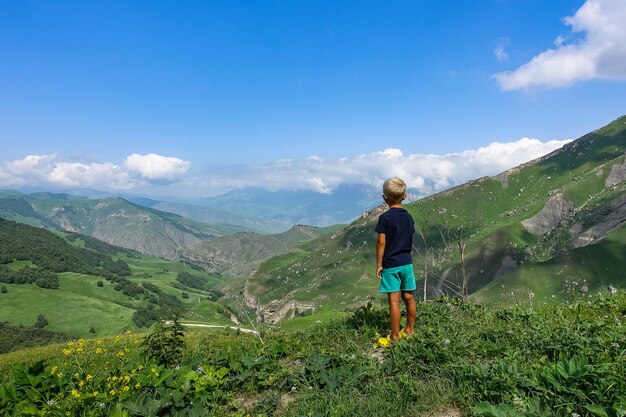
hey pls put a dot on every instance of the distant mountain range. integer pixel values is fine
(256, 209)
(221, 248)
(276, 211)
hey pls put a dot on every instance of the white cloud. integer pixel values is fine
(157, 168)
(49, 170)
(600, 54)
(427, 173)
(155, 175)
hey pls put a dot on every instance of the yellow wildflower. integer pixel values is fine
(126, 379)
(137, 385)
(112, 392)
(384, 341)
(53, 370)
(120, 353)
(126, 388)
(81, 383)
(95, 393)
(75, 393)
(60, 375)
(88, 378)
(68, 351)
(98, 351)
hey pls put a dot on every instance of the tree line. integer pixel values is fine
(50, 254)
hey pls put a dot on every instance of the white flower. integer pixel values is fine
(446, 341)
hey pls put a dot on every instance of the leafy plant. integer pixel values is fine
(166, 344)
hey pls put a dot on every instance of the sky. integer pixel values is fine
(195, 98)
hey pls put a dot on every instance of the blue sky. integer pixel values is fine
(195, 98)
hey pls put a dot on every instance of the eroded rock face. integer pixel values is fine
(617, 175)
(604, 222)
(556, 210)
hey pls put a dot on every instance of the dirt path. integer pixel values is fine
(218, 326)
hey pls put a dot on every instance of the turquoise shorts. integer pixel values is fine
(400, 278)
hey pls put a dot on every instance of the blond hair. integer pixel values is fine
(394, 190)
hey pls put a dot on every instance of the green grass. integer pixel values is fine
(70, 309)
(559, 359)
(79, 304)
(207, 312)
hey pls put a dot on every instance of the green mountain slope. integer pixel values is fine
(112, 220)
(84, 287)
(525, 235)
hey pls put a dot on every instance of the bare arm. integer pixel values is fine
(380, 250)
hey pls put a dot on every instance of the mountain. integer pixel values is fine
(240, 253)
(113, 220)
(215, 215)
(553, 227)
(341, 205)
(225, 249)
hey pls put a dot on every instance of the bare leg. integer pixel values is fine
(409, 302)
(394, 314)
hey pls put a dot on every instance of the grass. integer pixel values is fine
(71, 309)
(79, 304)
(559, 359)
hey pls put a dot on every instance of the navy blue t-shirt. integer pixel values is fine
(398, 227)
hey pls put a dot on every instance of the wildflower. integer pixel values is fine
(68, 352)
(126, 388)
(59, 375)
(153, 370)
(98, 351)
(384, 341)
(53, 370)
(126, 379)
(446, 341)
(51, 403)
(200, 370)
(137, 385)
(101, 405)
(112, 392)
(75, 393)
(81, 383)
(120, 353)
(76, 375)
(98, 342)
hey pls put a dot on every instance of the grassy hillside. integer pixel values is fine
(532, 229)
(549, 360)
(96, 292)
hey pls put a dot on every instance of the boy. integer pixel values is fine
(394, 266)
